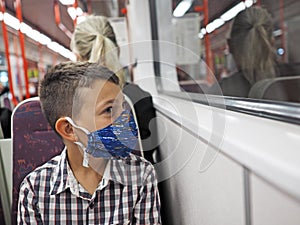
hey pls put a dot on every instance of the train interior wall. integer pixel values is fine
(244, 180)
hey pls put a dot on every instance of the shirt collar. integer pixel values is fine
(63, 178)
(59, 176)
(117, 171)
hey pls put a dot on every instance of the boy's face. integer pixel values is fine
(100, 105)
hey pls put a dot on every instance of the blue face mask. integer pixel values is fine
(116, 140)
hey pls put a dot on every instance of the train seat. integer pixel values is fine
(34, 142)
(280, 89)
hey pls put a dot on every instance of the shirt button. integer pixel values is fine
(92, 205)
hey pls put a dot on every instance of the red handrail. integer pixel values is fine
(5, 37)
(22, 44)
(208, 53)
(58, 20)
(75, 5)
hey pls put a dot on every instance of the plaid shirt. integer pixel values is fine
(127, 194)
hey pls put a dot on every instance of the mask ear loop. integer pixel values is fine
(85, 161)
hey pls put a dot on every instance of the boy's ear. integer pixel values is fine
(65, 129)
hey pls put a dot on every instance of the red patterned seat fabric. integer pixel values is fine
(34, 143)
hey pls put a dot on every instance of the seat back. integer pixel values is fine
(141, 104)
(280, 89)
(34, 142)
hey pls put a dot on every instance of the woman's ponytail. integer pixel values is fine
(94, 40)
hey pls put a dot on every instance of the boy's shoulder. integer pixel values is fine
(139, 161)
(134, 170)
(43, 172)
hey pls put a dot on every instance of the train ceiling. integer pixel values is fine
(40, 13)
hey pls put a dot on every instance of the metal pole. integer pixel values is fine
(208, 54)
(22, 44)
(5, 37)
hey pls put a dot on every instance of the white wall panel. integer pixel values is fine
(211, 197)
(271, 206)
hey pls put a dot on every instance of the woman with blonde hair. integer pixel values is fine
(251, 44)
(94, 40)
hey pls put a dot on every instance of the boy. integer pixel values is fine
(92, 181)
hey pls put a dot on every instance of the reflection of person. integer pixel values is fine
(251, 46)
(94, 40)
(81, 102)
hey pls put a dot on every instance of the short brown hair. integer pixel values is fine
(60, 83)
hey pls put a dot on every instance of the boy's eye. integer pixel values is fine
(108, 110)
(114, 110)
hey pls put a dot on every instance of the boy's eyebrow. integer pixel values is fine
(102, 104)
(110, 101)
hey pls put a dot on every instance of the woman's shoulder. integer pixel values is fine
(132, 90)
(288, 69)
(235, 85)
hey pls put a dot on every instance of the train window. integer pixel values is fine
(245, 49)
(243, 53)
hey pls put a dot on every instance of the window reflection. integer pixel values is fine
(271, 42)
